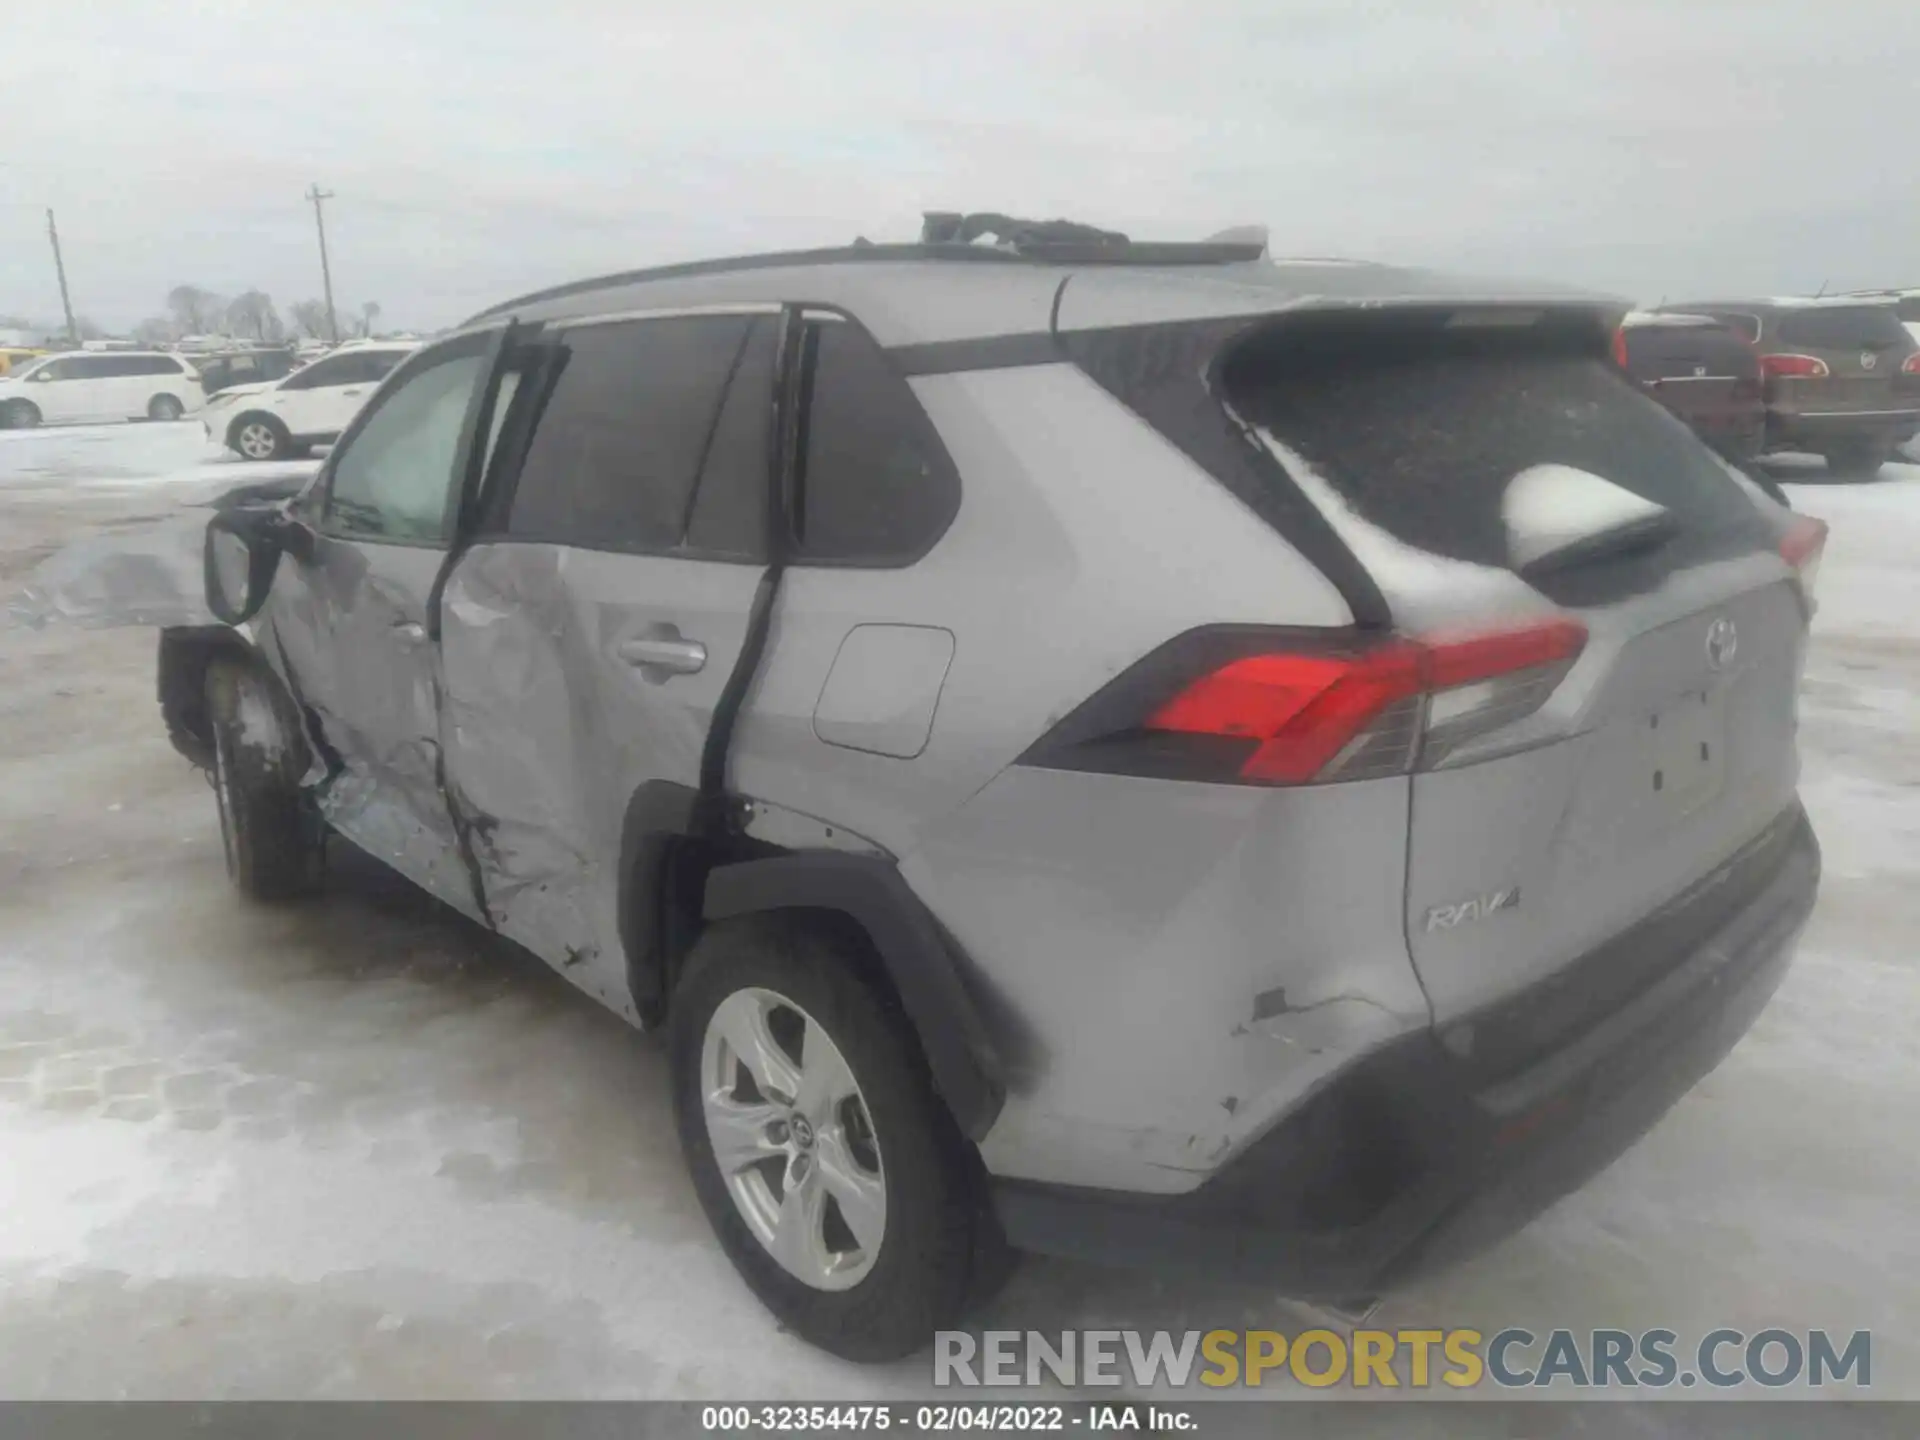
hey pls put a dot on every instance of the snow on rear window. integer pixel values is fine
(1421, 432)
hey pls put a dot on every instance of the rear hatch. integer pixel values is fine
(1700, 370)
(1552, 807)
(1860, 350)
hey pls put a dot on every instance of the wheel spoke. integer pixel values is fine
(862, 1197)
(739, 1132)
(742, 1019)
(799, 1239)
(825, 1079)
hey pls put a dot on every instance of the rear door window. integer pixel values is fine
(1420, 429)
(1843, 327)
(629, 414)
(876, 486)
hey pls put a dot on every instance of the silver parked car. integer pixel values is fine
(1134, 751)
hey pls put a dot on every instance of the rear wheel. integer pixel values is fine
(261, 437)
(1858, 458)
(836, 1181)
(273, 840)
(19, 415)
(165, 408)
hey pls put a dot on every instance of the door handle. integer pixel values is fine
(354, 391)
(658, 652)
(409, 632)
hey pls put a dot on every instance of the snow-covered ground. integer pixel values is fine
(354, 1149)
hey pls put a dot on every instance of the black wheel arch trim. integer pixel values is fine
(919, 958)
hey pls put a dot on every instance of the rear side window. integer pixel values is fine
(624, 430)
(875, 486)
(1842, 327)
(1420, 429)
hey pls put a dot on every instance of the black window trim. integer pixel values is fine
(475, 341)
(498, 490)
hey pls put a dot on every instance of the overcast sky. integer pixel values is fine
(479, 149)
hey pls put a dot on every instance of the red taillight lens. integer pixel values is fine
(1793, 367)
(1620, 347)
(1323, 716)
(1911, 365)
(1802, 547)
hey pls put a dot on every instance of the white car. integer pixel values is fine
(79, 387)
(311, 406)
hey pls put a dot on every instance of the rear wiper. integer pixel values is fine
(1638, 537)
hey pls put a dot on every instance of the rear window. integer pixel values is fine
(1656, 352)
(1420, 429)
(1842, 327)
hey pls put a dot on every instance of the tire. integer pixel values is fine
(274, 843)
(259, 437)
(1860, 459)
(938, 1249)
(165, 408)
(19, 415)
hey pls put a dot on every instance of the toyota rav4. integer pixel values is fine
(1142, 752)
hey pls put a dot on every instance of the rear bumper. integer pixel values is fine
(1816, 427)
(1421, 1155)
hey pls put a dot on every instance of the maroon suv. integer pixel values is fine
(1702, 371)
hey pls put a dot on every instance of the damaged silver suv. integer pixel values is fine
(1143, 752)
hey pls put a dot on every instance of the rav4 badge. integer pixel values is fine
(1446, 917)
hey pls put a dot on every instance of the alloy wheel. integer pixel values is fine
(793, 1139)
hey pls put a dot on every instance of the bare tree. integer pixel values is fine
(195, 311)
(309, 318)
(88, 329)
(251, 314)
(155, 330)
(369, 314)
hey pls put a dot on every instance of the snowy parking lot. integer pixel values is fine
(357, 1148)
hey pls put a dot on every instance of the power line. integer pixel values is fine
(317, 195)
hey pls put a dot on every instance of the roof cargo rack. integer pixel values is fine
(1073, 242)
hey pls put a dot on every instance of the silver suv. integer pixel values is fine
(1133, 751)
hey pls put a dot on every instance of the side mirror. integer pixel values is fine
(241, 554)
(1558, 516)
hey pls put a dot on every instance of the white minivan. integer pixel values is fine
(309, 407)
(82, 387)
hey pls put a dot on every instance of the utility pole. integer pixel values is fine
(60, 269)
(316, 195)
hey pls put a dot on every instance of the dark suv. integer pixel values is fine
(243, 367)
(1704, 372)
(1842, 375)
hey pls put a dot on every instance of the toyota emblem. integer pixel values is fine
(1868, 359)
(1723, 643)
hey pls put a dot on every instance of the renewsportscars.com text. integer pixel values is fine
(1413, 1359)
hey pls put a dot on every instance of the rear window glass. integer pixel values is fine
(1421, 430)
(1842, 327)
(1658, 351)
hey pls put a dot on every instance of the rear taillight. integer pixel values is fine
(1802, 547)
(1911, 365)
(1620, 347)
(1793, 367)
(1310, 713)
